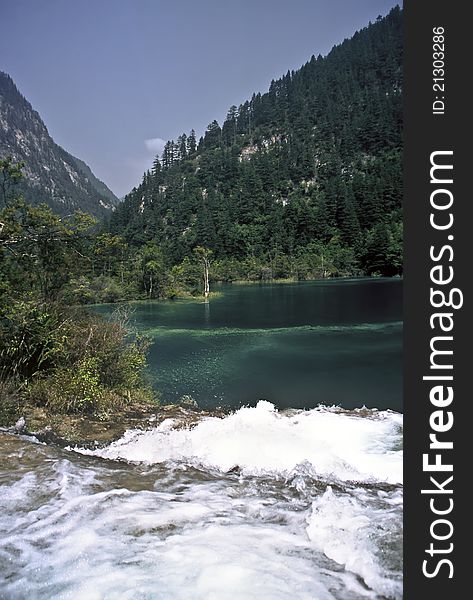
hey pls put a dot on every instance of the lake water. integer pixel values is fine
(258, 502)
(336, 342)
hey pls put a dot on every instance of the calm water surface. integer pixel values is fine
(296, 345)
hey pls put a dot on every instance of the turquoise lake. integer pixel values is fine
(333, 342)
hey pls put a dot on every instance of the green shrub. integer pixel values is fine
(33, 337)
(78, 291)
(70, 360)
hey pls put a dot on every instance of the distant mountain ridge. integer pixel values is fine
(99, 185)
(52, 175)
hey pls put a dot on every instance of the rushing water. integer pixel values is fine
(263, 503)
(296, 345)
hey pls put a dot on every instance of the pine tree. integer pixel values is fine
(182, 147)
(191, 143)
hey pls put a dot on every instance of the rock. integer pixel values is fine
(235, 469)
(49, 436)
(20, 425)
(188, 402)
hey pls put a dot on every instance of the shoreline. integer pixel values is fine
(91, 432)
(218, 293)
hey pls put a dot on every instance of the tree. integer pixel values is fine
(191, 143)
(41, 250)
(109, 251)
(182, 146)
(156, 169)
(153, 270)
(349, 225)
(213, 135)
(168, 157)
(229, 128)
(203, 255)
(10, 174)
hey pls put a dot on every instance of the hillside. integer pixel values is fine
(52, 175)
(303, 180)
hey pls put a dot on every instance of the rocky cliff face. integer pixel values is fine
(52, 175)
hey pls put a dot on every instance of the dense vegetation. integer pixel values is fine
(52, 354)
(302, 181)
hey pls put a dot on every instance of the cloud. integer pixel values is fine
(155, 145)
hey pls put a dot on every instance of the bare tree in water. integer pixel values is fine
(204, 254)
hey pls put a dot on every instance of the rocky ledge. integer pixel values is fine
(90, 432)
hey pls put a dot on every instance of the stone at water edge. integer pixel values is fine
(20, 425)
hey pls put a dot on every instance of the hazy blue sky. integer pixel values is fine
(108, 75)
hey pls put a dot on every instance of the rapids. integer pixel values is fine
(262, 503)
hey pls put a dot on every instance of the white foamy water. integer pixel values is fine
(313, 512)
(260, 440)
(343, 526)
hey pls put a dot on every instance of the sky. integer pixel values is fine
(114, 79)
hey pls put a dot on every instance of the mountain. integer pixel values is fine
(99, 186)
(52, 175)
(309, 171)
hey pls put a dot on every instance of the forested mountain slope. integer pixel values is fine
(305, 179)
